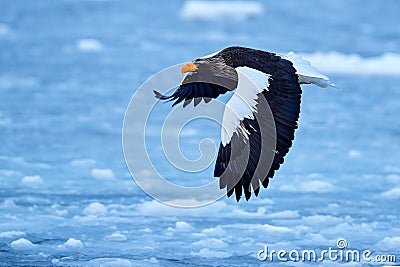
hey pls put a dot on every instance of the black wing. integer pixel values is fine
(213, 80)
(195, 90)
(283, 97)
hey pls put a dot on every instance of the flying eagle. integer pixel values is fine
(277, 81)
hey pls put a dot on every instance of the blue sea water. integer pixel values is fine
(68, 69)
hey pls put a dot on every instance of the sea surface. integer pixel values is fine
(68, 70)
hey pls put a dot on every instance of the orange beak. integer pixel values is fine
(189, 67)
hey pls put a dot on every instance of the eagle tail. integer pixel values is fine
(307, 73)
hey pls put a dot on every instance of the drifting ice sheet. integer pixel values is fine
(221, 10)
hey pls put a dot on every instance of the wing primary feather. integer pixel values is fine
(197, 101)
(187, 102)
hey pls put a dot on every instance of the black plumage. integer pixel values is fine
(244, 172)
(283, 96)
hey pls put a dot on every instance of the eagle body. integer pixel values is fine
(259, 118)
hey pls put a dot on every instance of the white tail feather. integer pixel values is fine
(306, 72)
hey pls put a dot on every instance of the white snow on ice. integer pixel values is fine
(72, 243)
(11, 234)
(216, 209)
(309, 187)
(89, 45)
(220, 11)
(32, 181)
(389, 243)
(213, 231)
(393, 178)
(22, 244)
(152, 260)
(119, 262)
(212, 243)
(207, 253)
(393, 193)
(103, 174)
(340, 63)
(183, 227)
(116, 237)
(95, 208)
(13, 81)
(8, 204)
(354, 153)
(109, 262)
(82, 162)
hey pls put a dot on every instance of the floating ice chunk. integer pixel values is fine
(32, 181)
(183, 227)
(268, 228)
(213, 231)
(243, 213)
(5, 172)
(221, 11)
(95, 208)
(11, 82)
(393, 193)
(146, 230)
(272, 228)
(322, 220)
(207, 253)
(112, 262)
(179, 227)
(354, 153)
(285, 214)
(155, 208)
(152, 260)
(22, 243)
(103, 174)
(4, 121)
(82, 162)
(314, 238)
(309, 187)
(394, 178)
(389, 243)
(116, 237)
(213, 243)
(89, 45)
(335, 62)
(9, 204)
(71, 243)
(11, 234)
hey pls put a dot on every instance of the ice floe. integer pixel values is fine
(11, 234)
(393, 193)
(95, 208)
(82, 162)
(89, 45)
(103, 174)
(32, 181)
(341, 63)
(22, 244)
(71, 243)
(221, 11)
(116, 237)
(309, 187)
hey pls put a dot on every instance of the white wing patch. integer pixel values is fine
(243, 102)
(306, 72)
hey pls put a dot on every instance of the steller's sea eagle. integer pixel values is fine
(277, 80)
